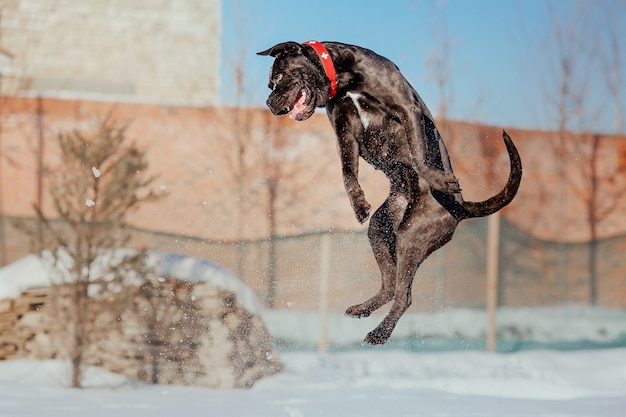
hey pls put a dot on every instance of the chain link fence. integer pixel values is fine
(454, 276)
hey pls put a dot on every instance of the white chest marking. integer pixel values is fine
(365, 121)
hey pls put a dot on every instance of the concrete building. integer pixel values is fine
(156, 51)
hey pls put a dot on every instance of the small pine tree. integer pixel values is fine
(99, 180)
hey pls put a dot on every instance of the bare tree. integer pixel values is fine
(284, 183)
(3, 249)
(3, 245)
(565, 58)
(233, 124)
(262, 162)
(577, 48)
(601, 187)
(99, 180)
(440, 64)
(612, 59)
(275, 171)
(241, 130)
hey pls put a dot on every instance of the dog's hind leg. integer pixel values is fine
(407, 266)
(383, 242)
(416, 239)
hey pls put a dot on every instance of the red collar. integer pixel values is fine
(329, 68)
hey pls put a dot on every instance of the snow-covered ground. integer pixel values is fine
(355, 380)
(356, 383)
(563, 327)
(440, 372)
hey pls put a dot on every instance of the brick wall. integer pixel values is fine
(192, 152)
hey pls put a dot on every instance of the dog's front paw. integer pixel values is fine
(362, 211)
(357, 199)
(361, 207)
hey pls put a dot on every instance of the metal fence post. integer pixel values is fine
(493, 244)
(324, 276)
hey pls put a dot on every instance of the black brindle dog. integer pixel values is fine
(378, 115)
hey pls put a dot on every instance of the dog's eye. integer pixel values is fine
(275, 81)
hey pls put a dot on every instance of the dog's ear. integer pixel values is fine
(285, 48)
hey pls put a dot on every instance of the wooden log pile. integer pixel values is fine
(19, 324)
(176, 333)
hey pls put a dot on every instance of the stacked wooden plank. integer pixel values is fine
(182, 333)
(19, 322)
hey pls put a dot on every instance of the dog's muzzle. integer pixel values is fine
(277, 112)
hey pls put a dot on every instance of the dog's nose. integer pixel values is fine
(273, 109)
(276, 111)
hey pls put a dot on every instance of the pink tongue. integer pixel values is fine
(299, 106)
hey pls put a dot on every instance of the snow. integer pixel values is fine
(355, 380)
(566, 326)
(33, 271)
(200, 270)
(27, 272)
(355, 383)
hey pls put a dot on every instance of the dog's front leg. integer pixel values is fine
(349, 154)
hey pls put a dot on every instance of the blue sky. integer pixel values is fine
(496, 61)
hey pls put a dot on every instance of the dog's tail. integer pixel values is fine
(504, 197)
(469, 209)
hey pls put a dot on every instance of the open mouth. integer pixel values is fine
(300, 105)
